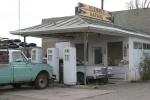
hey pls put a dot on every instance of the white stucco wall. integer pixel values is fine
(133, 68)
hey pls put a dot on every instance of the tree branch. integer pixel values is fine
(136, 4)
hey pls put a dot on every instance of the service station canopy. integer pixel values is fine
(71, 25)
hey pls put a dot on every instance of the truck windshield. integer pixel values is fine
(4, 57)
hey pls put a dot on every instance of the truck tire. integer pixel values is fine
(16, 85)
(80, 78)
(41, 81)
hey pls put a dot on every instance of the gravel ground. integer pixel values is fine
(119, 91)
(125, 91)
(51, 93)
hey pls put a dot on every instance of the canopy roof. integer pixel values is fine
(76, 24)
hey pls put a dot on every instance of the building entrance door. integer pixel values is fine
(98, 56)
(80, 51)
(115, 53)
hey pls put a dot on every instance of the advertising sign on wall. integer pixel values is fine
(93, 12)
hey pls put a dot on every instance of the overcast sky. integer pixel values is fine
(32, 11)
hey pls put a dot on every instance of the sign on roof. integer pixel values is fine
(93, 12)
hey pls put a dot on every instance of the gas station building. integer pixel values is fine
(97, 42)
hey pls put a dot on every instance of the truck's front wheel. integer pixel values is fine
(41, 81)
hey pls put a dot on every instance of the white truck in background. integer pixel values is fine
(86, 71)
(92, 72)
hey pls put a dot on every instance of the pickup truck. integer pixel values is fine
(16, 70)
(92, 72)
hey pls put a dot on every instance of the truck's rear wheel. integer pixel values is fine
(16, 85)
(41, 81)
(80, 78)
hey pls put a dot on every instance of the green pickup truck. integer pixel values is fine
(16, 70)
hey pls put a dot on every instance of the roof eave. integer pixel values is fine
(120, 31)
(83, 28)
(52, 31)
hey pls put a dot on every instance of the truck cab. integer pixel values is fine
(16, 69)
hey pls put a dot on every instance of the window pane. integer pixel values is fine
(148, 46)
(135, 45)
(138, 45)
(144, 46)
(17, 55)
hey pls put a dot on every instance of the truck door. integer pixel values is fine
(5, 69)
(21, 70)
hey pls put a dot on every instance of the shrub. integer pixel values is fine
(145, 69)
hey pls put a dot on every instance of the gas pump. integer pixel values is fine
(70, 73)
(37, 55)
(53, 60)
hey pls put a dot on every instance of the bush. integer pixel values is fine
(145, 69)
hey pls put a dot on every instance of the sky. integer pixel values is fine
(33, 11)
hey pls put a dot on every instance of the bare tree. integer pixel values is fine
(136, 4)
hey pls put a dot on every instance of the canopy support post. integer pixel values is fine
(24, 45)
(85, 55)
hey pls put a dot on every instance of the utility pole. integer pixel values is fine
(102, 4)
(19, 17)
(19, 14)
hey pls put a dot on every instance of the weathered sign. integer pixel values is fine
(93, 12)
